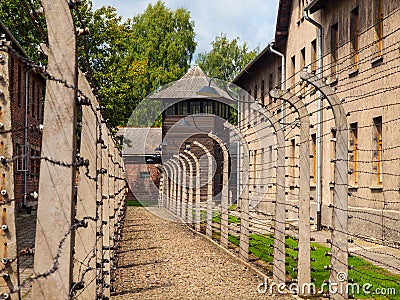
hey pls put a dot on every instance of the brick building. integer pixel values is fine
(140, 158)
(359, 51)
(26, 91)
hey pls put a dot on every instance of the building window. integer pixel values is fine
(194, 107)
(354, 150)
(184, 108)
(144, 175)
(292, 161)
(37, 163)
(269, 165)
(208, 107)
(301, 9)
(188, 146)
(302, 65)
(19, 86)
(262, 91)
(270, 85)
(314, 56)
(334, 48)
(170, 111)
(333, 155)
(354, 35)
(293, 70)
(378, 23)
(254, 167)
(314, 157)
(255, 92)
(33, 99)
(22, 160)
(32, 163)
(377, 154)
(12, 77)
(39, 101)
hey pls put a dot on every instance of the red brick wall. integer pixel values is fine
(143, 188)
(17, 75)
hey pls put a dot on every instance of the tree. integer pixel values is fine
(165, 40)
(125, 60)
(226, 58)
(28, 28)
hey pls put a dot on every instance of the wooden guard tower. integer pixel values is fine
(189, 117)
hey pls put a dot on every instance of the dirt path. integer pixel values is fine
(160, 259)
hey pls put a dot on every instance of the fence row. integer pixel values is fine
(81, 197)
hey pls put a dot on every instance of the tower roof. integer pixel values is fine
(187, 87)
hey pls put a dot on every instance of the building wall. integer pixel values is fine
(17, 91)
(366, 93)
(144, 181)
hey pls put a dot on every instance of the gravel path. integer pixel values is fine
(161, 259)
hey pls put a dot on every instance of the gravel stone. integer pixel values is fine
(161, 259)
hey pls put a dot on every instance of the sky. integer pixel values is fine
(253, 21)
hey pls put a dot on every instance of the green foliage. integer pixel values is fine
(231, 219)
(125, 59)
(28, 29)
(226, 59)
(131, 59)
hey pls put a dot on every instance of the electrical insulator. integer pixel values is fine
(34, 195)
(6, 276)
(5, 296)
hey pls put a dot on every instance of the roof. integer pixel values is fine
(316, 5)
(187, 87)
(281, 33)
(282, 22)
(10, 37)
(140, 141)
(263, 54)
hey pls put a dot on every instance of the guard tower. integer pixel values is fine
(189, 117)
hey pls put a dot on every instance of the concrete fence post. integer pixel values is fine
(279, 268)
(161, 188)
(224, 196)
(244, 199)
(182, 185)
(304, 259)
(177, 183)
(197, 190)
(55, 212)
(210, 195)
(339, 247)
(105, 199)
(171, 190)
(185, 160)
(85, 237)
(8, 237)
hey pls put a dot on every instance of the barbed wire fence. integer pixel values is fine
(79, 217)
(360, 129)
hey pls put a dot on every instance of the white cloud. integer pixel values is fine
(253, 20)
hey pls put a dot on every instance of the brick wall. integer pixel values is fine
(17, 86)
(144, 181)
